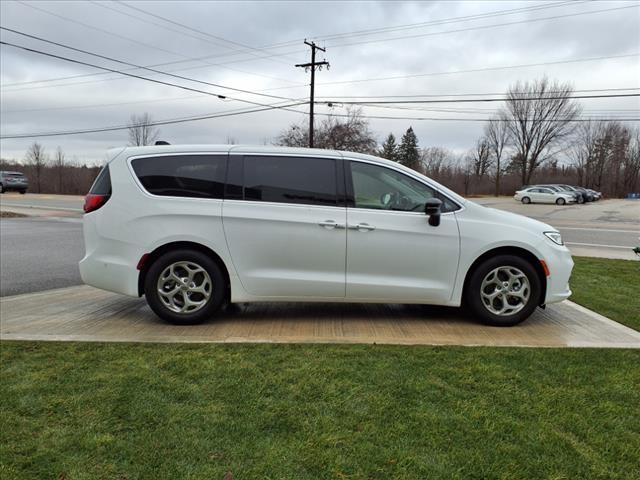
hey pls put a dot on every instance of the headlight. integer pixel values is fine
(555, 237)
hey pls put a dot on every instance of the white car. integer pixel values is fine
(543, 195)
(195, 227)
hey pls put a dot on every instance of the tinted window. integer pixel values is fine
(182, 175)
(382, 188)
(102, 183)
(290, 180)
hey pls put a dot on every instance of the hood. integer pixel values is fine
(507, 218)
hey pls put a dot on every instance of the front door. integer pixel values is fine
(286, 230)
(393, 254)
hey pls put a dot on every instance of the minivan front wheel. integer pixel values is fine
(503, 290)
(184, 287)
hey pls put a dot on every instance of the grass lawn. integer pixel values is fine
(101, 411)
(609, 287)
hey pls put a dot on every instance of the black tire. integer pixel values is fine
(560, 201)
(473, 299)
(217, 294)
(526, 200)
(1, 188)
(22, 192)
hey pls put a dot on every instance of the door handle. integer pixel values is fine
(362, 227)
(330, 224)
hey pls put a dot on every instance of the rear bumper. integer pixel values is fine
(109, 264)
(15, 186)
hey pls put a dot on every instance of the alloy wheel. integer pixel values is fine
(505, 291)
(184, 287)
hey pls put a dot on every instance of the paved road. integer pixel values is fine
(39, 254)
(34, 200)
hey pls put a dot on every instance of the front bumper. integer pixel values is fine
(560, 264)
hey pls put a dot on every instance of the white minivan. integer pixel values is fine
(193, 228)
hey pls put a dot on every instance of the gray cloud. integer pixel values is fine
(79, 103)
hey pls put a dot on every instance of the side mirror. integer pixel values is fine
(432, 210)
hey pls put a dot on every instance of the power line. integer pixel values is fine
(499, 13)
(186, 34)
(111, 59)
(482, 27)
(215, 37)
(242, 112)
(153, 124)
(161, 82)
(455, 119)
(474, 70)
(475, 100)
(426, 95)
(466, 18)
(129, 39)
(373, 98)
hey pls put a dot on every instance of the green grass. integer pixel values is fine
(609, 287)
(120, 411)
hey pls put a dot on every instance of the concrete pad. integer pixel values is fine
(86, 314)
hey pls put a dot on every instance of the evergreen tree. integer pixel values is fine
(390, 148)
(408, 154)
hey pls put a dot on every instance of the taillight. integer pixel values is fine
(94, 201)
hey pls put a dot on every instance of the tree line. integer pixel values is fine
(538, 136)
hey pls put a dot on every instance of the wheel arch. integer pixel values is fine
(509, 250)
(167, 247)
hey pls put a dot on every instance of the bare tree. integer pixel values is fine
(496, 133)
(481, 157)
(59, 163)
(36, 158)
(350, 132)
(632, 162)
(434, 160)
(540, 115)
(141, 130)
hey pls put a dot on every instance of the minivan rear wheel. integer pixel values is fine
(184, 287)
(503, 290)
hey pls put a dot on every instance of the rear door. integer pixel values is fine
(393, 254)
(284, 219)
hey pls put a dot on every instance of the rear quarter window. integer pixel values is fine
(102, 183)
(200, 176)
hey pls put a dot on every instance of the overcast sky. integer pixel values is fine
(426, 46)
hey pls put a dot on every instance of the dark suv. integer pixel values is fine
(15, 181)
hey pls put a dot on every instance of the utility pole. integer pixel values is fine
(312, 65)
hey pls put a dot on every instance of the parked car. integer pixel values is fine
(596, 195)
(195, 227)
(582, 194)
(544, 195)
(577, 196)
(13, 181)
(589, 197)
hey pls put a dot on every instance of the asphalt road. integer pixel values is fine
(39, 254)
